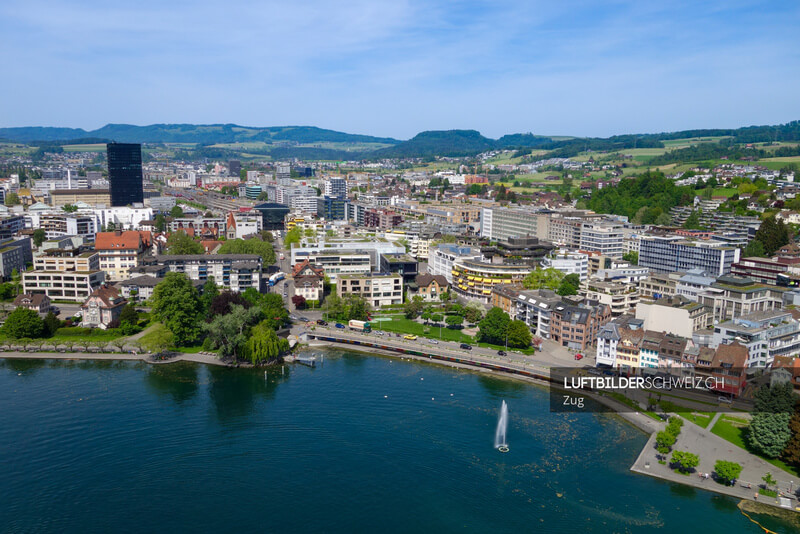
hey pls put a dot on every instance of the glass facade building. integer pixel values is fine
(125, 173)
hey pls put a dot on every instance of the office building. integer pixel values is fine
(125, 173)
(673, 253)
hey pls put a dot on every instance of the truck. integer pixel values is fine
(359, 326)
(275, 278)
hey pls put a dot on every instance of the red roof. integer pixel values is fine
(129, 239)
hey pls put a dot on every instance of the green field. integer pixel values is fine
(96, 147)
(400, 324)
(683, 143)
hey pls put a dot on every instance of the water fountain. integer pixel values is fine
(502, 425)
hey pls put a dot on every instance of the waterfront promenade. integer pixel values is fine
(122, 356)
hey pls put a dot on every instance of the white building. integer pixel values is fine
(336, 187)
(441, 258)
(568, 263)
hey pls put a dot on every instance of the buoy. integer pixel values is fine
(432, 398)
(422, 379)
(386, 396)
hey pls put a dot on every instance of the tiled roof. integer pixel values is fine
(128, 240)
(109, 295)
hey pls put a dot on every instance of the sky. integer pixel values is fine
(395, 68)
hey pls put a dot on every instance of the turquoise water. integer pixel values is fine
(360, 444)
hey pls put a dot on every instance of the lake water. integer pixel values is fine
(359, 444)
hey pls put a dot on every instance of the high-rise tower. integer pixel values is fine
(125, 173)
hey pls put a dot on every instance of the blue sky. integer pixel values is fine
(396, 68)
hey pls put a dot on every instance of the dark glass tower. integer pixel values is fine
(125, 173)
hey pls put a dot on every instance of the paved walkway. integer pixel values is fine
(710, 448)
(125, 356)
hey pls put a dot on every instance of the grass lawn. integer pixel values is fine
(701, 419)
(402, 325)
(725, 191)
(79, 334)
(733, 429)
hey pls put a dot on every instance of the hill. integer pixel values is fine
(452, 143)
(192, 133)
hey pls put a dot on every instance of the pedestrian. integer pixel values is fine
(756, 496)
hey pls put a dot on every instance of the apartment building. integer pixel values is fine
(602, 237)
(341, 263)
(120, 252)
(377, 289)
(500, 224)
(620, 297)
(577, 327)
(568, 263)
(676, 315)
(442, 257)
(234, 272)
(766, 334)
(658, 285)
(666, 254)
(763, 270)
(475, 280)
(734, 296)
(65, 285)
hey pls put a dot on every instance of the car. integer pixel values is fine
(410, 336)
(377, 332)
(339, 325)
(433, 341)
(726, 400)
(285, 294)
(322, 323)
(466, 346)
(294, 318)
(579, 356)
(501, 353)
(304, 319)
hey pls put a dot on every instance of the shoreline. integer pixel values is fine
(113, 356)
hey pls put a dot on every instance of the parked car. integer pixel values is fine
(294, 318)
(726, 400)
(339, 325)
(410, 336)
(304, 319)
(501, 353)
(433, 341)
(322, 323)
(466, 346)
(579, 356)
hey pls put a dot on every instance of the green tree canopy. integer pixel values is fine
(228, 332)
(176, 303)
(176, 212)
(160, 222)
(180, 243)
(23, 322)
(292, 236)
(519, 335)
(769, 433)
(685, 461)
(539, 278)
(254, 245)
(494, 327)
(413, 307)
(773, 234)
(754, 249)
(454, 321)
(727, 471)
(263, 345)
(631, 257)
(39, 237)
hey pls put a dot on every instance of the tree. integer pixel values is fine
(209, 293)
(335, 308)
(519, 335)
(454, 321)
(685, 461)
(129, 314)
(539, 278)
(12, 199)
(769, 433)
(51, 324)
(292, 236)
(754, 249)
(426, 316)
(23, 323)
(176, 212)
(160, 223)
(769, 480)
(254, 245)
(436, 318)
(791, 453)
(664, 441)
(159, 340)
(631, 257)
(774, 399)
(693, 221)
(176, 303)
(223, 303)
(7, 291)
(228, 332)
(494, 327)
(180, 243)
(69, 208)
(473, 312)
(413, 307)
(773, 234)
(299, 302)
(727, 471)
(569, 285)
(39, 237)
(357, 308)
(264, 345)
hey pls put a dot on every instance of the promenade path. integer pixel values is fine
(125, 356)
(710, 448)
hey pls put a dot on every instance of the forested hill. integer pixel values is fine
(192, 133)
(646, 199)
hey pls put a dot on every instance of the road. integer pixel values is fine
(215, 201)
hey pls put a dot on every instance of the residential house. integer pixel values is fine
(430, 286)
(308, 281)
(102, 307)
(121, 251)
(33, 301)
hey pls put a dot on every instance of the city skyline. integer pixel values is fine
(394, 69)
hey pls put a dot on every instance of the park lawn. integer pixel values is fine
(528, 351)
(401, 325)
(725, 191)
(701, 419)
(733, 429)
(69, 334)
